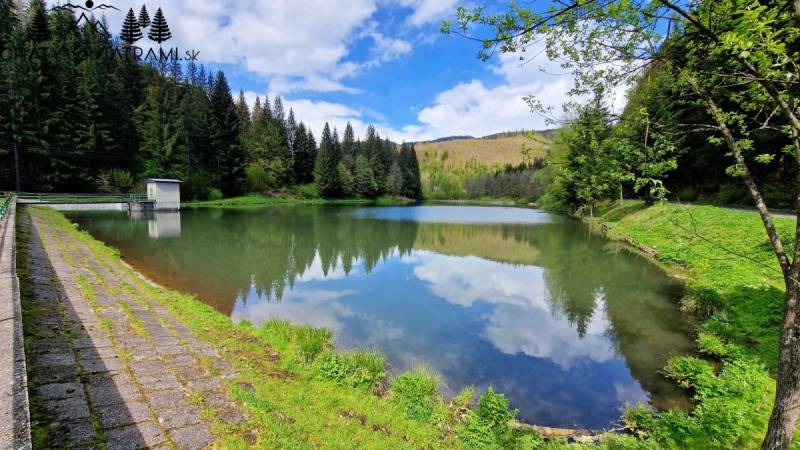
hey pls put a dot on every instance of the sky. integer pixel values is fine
(381, 62)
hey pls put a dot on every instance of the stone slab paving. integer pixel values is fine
(108, 366)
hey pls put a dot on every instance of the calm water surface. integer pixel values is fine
(527, 302)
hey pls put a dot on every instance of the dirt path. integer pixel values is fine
(108, 367)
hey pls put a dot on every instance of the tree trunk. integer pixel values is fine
(621, 198)
(783, 421)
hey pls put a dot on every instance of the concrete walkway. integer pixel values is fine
(14, 412)
(107, 366)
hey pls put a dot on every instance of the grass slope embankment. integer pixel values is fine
(735, 287)
(263, 200)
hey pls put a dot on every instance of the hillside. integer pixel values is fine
(447, 165)
(487, 151)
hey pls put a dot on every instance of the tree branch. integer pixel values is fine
(755, 193)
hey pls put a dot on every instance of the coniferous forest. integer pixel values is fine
(82, 114)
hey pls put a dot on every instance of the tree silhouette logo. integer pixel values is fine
(134, 28)
(159, 30)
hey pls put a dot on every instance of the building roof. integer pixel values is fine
(163, 180)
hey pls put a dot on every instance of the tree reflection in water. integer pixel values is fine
(535, 305)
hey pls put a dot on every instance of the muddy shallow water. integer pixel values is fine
(569, 328)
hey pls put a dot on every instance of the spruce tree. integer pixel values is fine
(277, 152)
(159, 29)
(363, 178)
(130, 29)
(211, 80)
(291, 129)
(161, 126)
(38, 23)
(144, 17)
(326, 169)
(299, 155)
(409, 165)
(311, 150)
(394, 180)
(191, 73)
(175, 69)
(243, 113)
(196, 114)
(277, 111)
(257, 111)
(346, 180)
(8, 22)
(373, 149)
(224, 138)
(201, 77)
(349, 146)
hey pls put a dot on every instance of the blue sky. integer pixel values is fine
(365, 61)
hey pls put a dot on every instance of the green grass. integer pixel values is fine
(735, 288)
(263, 200)
(733, 279)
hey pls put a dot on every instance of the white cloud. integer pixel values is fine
(316, 113)
(386, 49)
(425, 11)
(521, 320)
(475, 109)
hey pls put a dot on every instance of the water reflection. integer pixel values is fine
(160, 224)
(532, 304)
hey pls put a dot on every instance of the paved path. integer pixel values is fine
(108, 366)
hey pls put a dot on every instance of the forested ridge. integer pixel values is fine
(81, 113)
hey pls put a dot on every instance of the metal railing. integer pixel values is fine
(4, 206)
(29, 197)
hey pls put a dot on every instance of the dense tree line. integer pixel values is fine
(525, 181)
(80, 113)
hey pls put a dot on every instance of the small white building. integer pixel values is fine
(165, 193)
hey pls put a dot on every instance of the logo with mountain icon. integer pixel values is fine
(132, 27)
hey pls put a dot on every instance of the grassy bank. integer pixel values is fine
(263, 200)
(734, 285)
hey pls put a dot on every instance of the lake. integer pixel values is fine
(568, 326)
